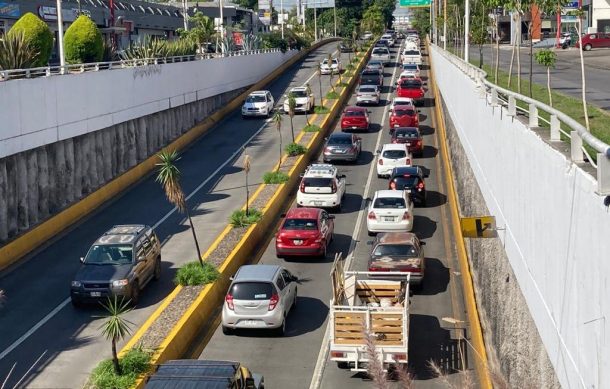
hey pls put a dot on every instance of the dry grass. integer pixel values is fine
(375, 368)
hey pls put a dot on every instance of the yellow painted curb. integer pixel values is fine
(471, 305)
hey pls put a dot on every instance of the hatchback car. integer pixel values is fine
(321, 186)
(342, 147)
(411, 180)
(259, 297)
(411, 136)
(411, 88)
(389, 210)
(375, 65)
(594, 41)
(258, 103)
(411, 68)
(305, 232)
(355, 118)
(403, 116)
(371, 77)
(368, 94)
(390, 156)
(401, 252)
(119, 263)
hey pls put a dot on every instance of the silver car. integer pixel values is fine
(342, 146)
(368, 94)
(260, 297)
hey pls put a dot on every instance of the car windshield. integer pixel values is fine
(367, 90)
(317, 182)
(394, 154)
(300, 224)
(406, 134)
(395, 250)
(252, 291)
(325, 62)
(409, 67)
(299, 93)
(389, 202)
(340, 140)
(255, 99)
(404, 112)
(374, 64)
(354, 113)
(109, 254)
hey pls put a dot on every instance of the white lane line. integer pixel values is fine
(318, 372)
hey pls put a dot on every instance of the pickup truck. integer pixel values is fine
(362, 309)
(194, 373)
(381, 54)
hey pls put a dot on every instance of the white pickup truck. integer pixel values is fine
(363, 309)
(381, 54)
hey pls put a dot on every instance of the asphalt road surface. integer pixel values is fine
(291, 361)
(39, 327)
(566, 76)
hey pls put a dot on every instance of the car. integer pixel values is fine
(375, 65)
(371, 77)
(381, 54)
(322, 187)
(355, 118)
(411, 56)
(304, 232)
(412, 68)
(367, 35)
(594, 41)
(341, 146)
(411, 136)
(412, 88)
(390, 156)
(331, 66)
(119, 263)
(412, 45)
(368, 94)
(258, 103)
(401, 101)
(401, 252)
(345, 47)
(403, 116)
(411, 180)
(389, 38)
(304, 98)
(202, 373)
(383, 43)
(259, 297)
(405, 75)
(389, 210)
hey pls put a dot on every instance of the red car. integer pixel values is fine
(411, 137)
(412, 88)
(305, 232)
(355, 118)
(403, 116)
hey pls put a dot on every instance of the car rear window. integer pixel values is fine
(411, 52)
(406, 134)
(343, 140)
(252, 290)
(380, 50)
(409, 67)
(406, 182)
(317, 182)
(410, 84)
(354, 113)
(395, 250)
(389, 202)
(300, 224)
(367, 90)
(394, 154)
(404, 112)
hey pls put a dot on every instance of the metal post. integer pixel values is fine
(533, 116)
(466, 31)
(282, 13)
(603, 174)
(576, 147)
(60, 37)
(315, 22)
(222, 28)
(555, 126)
(335, 15)
(185, 14)
(444, 24)
(512, 106)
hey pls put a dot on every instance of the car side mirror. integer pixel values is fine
(422, 243)
(331, 216)
(82, 259)
(302, 175)
(377, 152)
(231, 278)
(283, 215)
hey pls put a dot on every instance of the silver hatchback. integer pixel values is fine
(260, 297)
(368, 94)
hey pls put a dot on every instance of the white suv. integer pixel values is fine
(304, 99)
(390, 211)
(321, 187)
(258, 103)
(391, 156)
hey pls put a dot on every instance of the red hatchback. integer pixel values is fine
(355, 118)
(403, 116)
(411, 137)
(412, 88)
(305, 232)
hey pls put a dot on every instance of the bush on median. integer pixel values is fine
(294, 149)
(275, 178)
(134, 363)
(311, 128)
(321, 110)
(332, 95)
(193, 273)
(240, 219)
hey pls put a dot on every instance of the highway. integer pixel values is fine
(294, 360)
(50, 344)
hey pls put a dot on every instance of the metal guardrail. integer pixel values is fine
(576, 132)
(47, 71)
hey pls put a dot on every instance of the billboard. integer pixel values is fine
(319, 3)
(414, 3)
(264, 11)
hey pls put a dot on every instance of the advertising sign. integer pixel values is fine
(414, 3)
(319, 3)
(69, 15)
(9, 10)
(264, 11)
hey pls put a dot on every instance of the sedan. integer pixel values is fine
(411, 137)
(332, 66)
(389, 210)
(371, 77)
(411, 180)
(403, 116)
(375, 65)
(411, 88)
(400, 252)
(368, 94)
(342, 146)
(305, 232)
(411, 68)
(355, 118)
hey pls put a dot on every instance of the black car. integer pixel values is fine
(411, 179)
(382, 43)
(345, 48)
(371, 77)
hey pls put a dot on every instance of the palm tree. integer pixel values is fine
(319, 73)
(277, 118)
(292, 104)
(330, 63)
(202, 31)
(547, 58)
(306, 110)
(168, 176)
(116, 326)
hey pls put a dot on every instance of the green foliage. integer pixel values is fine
(110, 53)
(321, 110)
(421, 20)
(135, 362)
(193, 273)
(311, 128)
(275, 178)
(240, 219)
(373, 20)
(16, 53)
(157, 48)
(180, 48)
(294, 149)
(273, 40)
(83, 42)
(332, 95)
(546, 58)
(38, 36)
(201, 31)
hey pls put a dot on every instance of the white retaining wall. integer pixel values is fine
(39, 111)
(557, 235)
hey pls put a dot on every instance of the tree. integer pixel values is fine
(547, 58)
(168, 175)
(201, 32)
(292, 104)
(579, 14)
(277, 118)
(319, 73)
(478, 32)
(372, 20)
(38, 36)
(83, 42)
(116, 327)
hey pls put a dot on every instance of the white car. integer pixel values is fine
(392, 155)
(390, 211)
(401, 101)
(326, 66)
(411, 56)
(304, 99)
(411, 45)
(389, 38)
(411, 68)
(367, 35)
(322, 187)
(258, 103)
(405, 74)
(381, 54)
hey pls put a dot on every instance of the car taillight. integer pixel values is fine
(372, 216)
(408, 161)
(318, 239)
(421, 185)
(406, 216)
(377, 269)
(337, 354)
(302, 187)
(400, 357)
(327, 149)
(380, 161)
(354, 149)
(419, 143)
(229, 300)
(273, 301)
(392, 185)
(394, 140)
(334, 187)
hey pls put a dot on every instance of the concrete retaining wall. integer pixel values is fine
(555, 240)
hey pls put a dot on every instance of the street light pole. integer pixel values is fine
(466, 30)
(444, 24)
(335, 15)
(60, 37)
(315, 22)
(282, 14)
(185, 14)
(222, 28)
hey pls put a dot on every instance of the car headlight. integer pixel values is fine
(122, 282)
(76, 284)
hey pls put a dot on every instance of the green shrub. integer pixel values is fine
(240, 219)
(83, 42)
(134, 363)
(37, 35)
(321, 110)
(16, 53)
(273, 40)
(332, 95)
(294, 149)
(275, 178)
(311, 128)
(181, 47)
(193, 273)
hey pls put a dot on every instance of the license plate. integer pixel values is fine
(408, 144)
(354, 127)
(388, 219)
(96, 294)
(318, 203)
(340, 151)
(408, 190)
(298, 242)
(252, 323)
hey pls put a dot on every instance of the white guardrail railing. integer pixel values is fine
(559, 122)
(47, 71)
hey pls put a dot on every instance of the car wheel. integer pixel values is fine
(588, 47)
(135, 293)
(294, 303)
(323, 254)
(76, 303)
(227, 330)
(281, 330)
(342, 365)
(337, 209)
(157, 275)
(370, 233)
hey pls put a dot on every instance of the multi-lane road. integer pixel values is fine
(299, 360)
(49, 344)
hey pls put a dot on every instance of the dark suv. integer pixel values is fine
(120, 263)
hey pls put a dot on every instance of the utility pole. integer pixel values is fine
(335, 15)
(315, 22)
(444, 24)
(466, 30)
(282, 15)
(222, 28)
(60, 37)
(185, 14)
